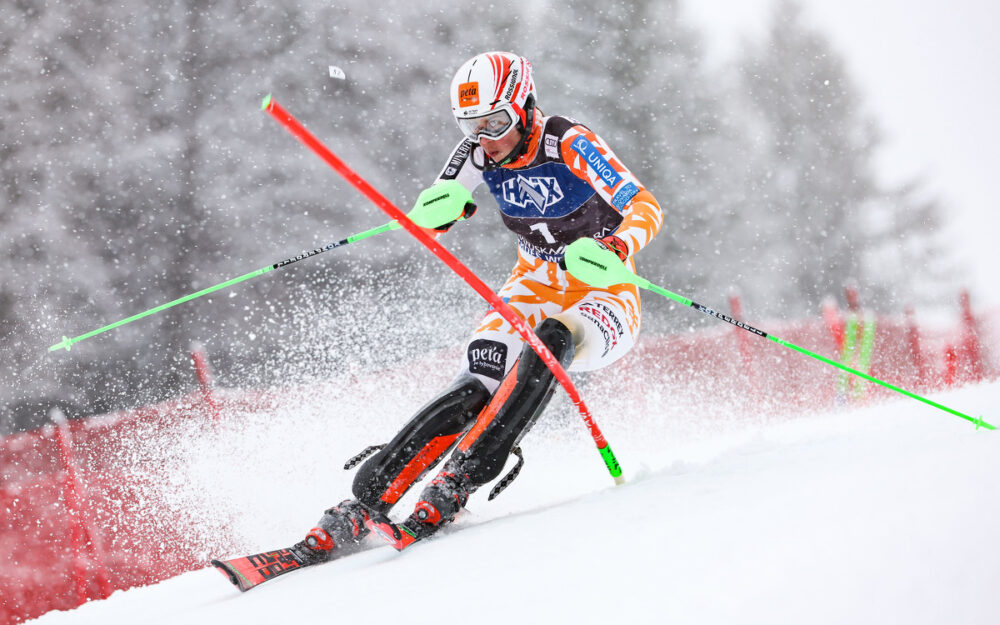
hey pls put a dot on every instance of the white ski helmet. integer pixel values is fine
(492, 93)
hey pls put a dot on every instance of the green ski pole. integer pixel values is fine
(66, 343)
(429, 212)
(591, 262)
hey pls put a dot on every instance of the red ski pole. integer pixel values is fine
(331, 159)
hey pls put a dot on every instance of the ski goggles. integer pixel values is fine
(492, 125)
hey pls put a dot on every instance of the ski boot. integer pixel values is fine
(340, 529)
(439, 504)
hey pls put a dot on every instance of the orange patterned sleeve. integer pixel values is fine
(591, 159)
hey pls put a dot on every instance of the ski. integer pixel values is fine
(248, 572)
(396, 534)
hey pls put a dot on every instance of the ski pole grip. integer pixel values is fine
(591, 262)
(441, 204)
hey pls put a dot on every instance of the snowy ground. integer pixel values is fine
(888, 514)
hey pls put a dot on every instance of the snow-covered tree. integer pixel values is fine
(823, 210)
(137, 167)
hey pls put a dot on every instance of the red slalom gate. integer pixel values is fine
(87, 551)
(204, 374)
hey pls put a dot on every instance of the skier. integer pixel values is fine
(555, 181)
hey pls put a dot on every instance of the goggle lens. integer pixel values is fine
(492, 126)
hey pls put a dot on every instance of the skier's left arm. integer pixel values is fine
(590, 158)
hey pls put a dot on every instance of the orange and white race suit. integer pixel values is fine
(568, 184)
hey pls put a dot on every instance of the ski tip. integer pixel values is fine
(396, 534)
(266, 103)
(230, 574)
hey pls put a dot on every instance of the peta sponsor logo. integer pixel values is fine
(468, 94)
(488, 358)
(538, 191)
(597, 162)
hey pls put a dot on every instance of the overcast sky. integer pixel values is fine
(930, 71)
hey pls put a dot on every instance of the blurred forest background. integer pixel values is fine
(136, 167)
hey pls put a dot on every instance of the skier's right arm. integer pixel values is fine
(460, 169)
(464, 165)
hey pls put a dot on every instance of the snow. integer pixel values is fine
(884, 514)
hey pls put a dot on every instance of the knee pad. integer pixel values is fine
(558, 338)
(385, 477)
(515, 406)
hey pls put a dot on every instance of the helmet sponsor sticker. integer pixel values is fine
(468, 94)
(596, 161)
(513, 83)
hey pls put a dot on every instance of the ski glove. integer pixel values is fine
(616, 245)
(468, 211)
(610, 242)
(438, 207)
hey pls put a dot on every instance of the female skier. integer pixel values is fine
(555, 181)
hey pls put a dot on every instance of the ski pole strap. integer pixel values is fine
(598, 266)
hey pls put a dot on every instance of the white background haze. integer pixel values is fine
(929, 73)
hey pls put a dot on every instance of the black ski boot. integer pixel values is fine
(442, 500)
(439, 504)
(341, 528)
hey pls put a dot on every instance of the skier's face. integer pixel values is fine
(499, 149)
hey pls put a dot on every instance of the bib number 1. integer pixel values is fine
(543, 229)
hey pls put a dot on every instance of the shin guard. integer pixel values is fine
(385, 477)
(515, 406)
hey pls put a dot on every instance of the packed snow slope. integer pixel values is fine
(886, 514)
